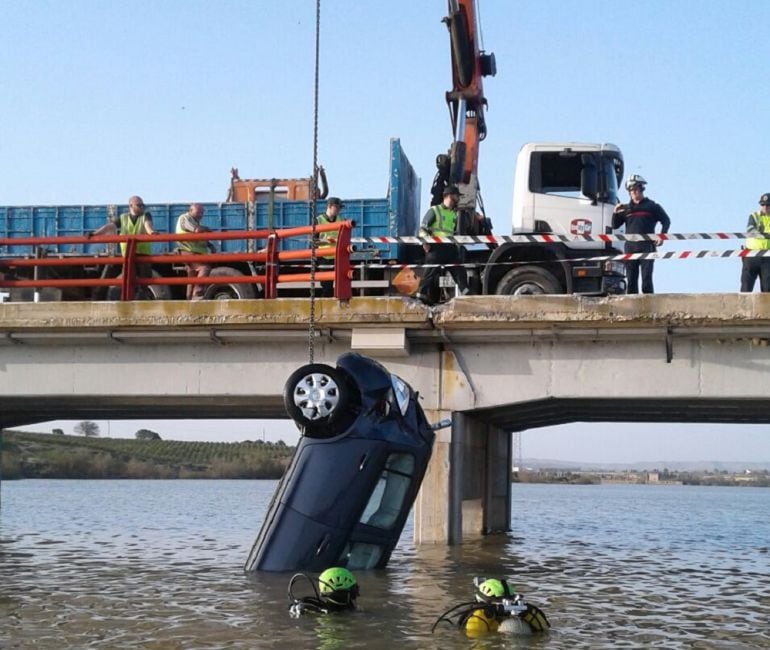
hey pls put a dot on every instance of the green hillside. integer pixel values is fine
(41, 455)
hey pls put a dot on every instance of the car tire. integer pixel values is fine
(321, 400)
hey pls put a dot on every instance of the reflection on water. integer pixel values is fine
(157, 565)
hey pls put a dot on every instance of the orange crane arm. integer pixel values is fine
(466, 101)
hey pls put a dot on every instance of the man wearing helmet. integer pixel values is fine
(327, 240)
(759, 222)
(337, 591)
(496, 608)
(640, 216)
(441, 221)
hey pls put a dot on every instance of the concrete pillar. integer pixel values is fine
(431, 508)
(470, 472)
(438, 515)
(466, 492)
(497, 497)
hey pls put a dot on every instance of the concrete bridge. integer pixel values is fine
(494, 364)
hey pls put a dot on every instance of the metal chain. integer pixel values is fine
(312, 198)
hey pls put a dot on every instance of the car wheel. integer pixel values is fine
(528, 280)
(320, 399)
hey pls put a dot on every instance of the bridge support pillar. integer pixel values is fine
(497, 481)
(431, 508)
(466, 492)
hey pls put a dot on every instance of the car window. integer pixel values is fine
(388, 497)
(361, 556)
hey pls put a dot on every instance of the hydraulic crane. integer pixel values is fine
(466, 102)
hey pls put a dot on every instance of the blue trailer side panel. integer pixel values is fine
(395, 215)
(403, 193)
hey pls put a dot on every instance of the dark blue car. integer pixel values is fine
(347, 492)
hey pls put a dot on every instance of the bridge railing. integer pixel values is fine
(268, 260)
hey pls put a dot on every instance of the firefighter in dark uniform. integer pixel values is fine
(640, 216)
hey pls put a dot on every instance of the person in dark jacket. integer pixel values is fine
(640, 216)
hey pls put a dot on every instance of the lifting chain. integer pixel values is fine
(313, 191)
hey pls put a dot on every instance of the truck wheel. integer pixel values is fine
(320, 399)
(229, 291)
(153, 292)
(156, 291)
(528, 280)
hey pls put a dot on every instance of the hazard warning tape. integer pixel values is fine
(622, 257)
(555, 239)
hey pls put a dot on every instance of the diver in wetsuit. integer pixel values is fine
(336, 592)
(496, 608)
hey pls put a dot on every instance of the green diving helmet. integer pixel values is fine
(492, 589)
(338, 585)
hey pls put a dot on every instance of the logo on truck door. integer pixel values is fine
(580, 227)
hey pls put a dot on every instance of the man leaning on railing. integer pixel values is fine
(190, 222)
(134, 222)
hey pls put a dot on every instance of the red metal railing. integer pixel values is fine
(269, 257)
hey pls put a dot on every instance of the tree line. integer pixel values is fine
(39, 455)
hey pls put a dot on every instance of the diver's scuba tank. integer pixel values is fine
(496, 608)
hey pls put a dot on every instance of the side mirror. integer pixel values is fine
(589, 178)
(441, 424)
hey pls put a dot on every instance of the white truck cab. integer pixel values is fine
(566, 188)
(560, 188)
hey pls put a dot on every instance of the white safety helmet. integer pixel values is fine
(634, 180)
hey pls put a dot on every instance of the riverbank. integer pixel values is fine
(759, 478)
(40, 455)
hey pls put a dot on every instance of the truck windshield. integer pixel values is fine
(559, 173)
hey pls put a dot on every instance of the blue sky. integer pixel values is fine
(104, 99)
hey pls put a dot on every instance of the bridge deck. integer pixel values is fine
(477, 317)
(516, 362)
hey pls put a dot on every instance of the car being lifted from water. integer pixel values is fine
(344, 499)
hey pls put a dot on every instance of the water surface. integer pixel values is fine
(158, 565)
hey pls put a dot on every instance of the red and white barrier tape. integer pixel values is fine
(549, 238)
(622, 257)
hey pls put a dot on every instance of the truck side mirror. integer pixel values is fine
(441, 424)
(589, 179)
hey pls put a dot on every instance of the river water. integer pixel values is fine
(158, 565)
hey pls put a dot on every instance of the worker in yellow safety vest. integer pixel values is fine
(441, 221)
(134, 222)
(753, 267)
(327, 241)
